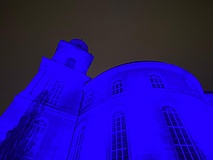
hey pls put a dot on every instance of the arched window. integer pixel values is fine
(119, 148)
(87, 102)
(156, 81)
(78, 144)
(192, 88)
(181, 139)
(70, 63)
(34, 138)
(117, 87)
(55, 93)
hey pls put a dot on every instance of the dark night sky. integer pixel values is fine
(116, 31)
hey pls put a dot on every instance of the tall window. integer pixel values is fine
(117, 87)
(119, 148)
(78, 144)
(34, 138)
(55, 93)
(156, 81)
(181, 139)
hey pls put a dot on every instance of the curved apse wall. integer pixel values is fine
(140, 110)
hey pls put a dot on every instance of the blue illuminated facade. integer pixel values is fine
(136, 111)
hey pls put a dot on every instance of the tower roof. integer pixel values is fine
(80, 44)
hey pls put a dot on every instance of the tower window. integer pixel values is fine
(156, 81)
(181, 139)
(55, 93)
(117, 87)
(70, 63)
(119, 147)
(34, 138)
(88, 102)
(78, 144)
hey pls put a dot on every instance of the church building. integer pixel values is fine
(144, 110)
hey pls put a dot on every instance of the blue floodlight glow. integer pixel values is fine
(140, 110)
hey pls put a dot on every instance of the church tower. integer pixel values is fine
(56, 92)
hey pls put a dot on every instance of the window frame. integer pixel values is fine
(33, 140)
(119, 142)
(156, 81)
(117, 87)
(183, 143)
(87, 101)
(55, 94)
(78, 143)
